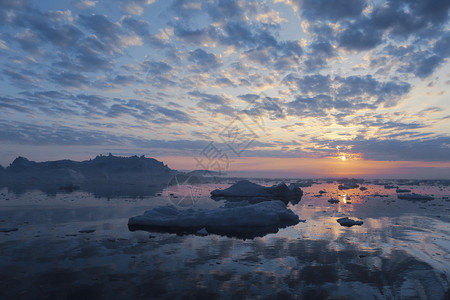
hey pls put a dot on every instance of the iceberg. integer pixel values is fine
(246, 190)
(414, 196)
(348, 222)
(236, 219)
(348, 186)
(390, 186)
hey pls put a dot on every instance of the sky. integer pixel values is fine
(284, 87)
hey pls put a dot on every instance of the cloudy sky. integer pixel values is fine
(290, 86)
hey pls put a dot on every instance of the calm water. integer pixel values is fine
(402, 251)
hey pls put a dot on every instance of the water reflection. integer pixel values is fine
(400, 252)
(98, 190)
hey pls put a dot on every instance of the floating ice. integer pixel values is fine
(333, 200)
(239, 219)
(202, 232)
(253, 192)
(86, 231)
(402, 190)
(348, 222)
(8, 229)
(390, 186)
(348, 186)
(414, 196)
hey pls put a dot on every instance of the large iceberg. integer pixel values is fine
(253, 192)
(238, 219)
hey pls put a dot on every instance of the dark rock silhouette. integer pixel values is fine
(103, 175)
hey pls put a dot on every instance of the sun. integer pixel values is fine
(343, 157)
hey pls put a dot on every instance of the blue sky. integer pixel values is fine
(365, 79)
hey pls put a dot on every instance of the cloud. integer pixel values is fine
(29, 42)
(360, 35)
(155, 67)
(23, 78)
(136, 7)
(333, 10)
(420, 63)
(70, 80)
(224, 82)
(403, 17)
(213, 103)
(104, 29)
(323, 93)
(312, 83)
(30, 134)
(84, 4)
(209, 98)
(143, 30)
(226, 10)
(435, 149)
(203, 61)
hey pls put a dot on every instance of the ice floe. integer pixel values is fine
(239, 219)
(414, 196)
(253, 192)
(348, 186)
(8, 229)
(348, 222)
(390, 186)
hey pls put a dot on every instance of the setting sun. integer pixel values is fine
(343, 157)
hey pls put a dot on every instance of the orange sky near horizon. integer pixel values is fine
(320, 167)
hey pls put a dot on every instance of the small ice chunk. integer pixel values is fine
(8, 229)
(333, 200)
(398, 190)
(348, 222)
(390, 186)
(86, 231)
(348, 186)
(202, 232)
(414, 196)
(363, 188)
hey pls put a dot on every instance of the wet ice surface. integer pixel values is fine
(401, 251)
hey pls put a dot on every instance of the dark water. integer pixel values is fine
(402, 251)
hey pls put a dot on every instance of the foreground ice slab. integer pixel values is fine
(414, 196)
(238, 219)
(253, 192)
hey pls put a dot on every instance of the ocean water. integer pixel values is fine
(402, 250)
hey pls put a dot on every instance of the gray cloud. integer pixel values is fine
(342, 93)
(70, 80)
(436, 149)
(204, 61)
(333, 10)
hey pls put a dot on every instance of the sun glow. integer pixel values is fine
(343, 157)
